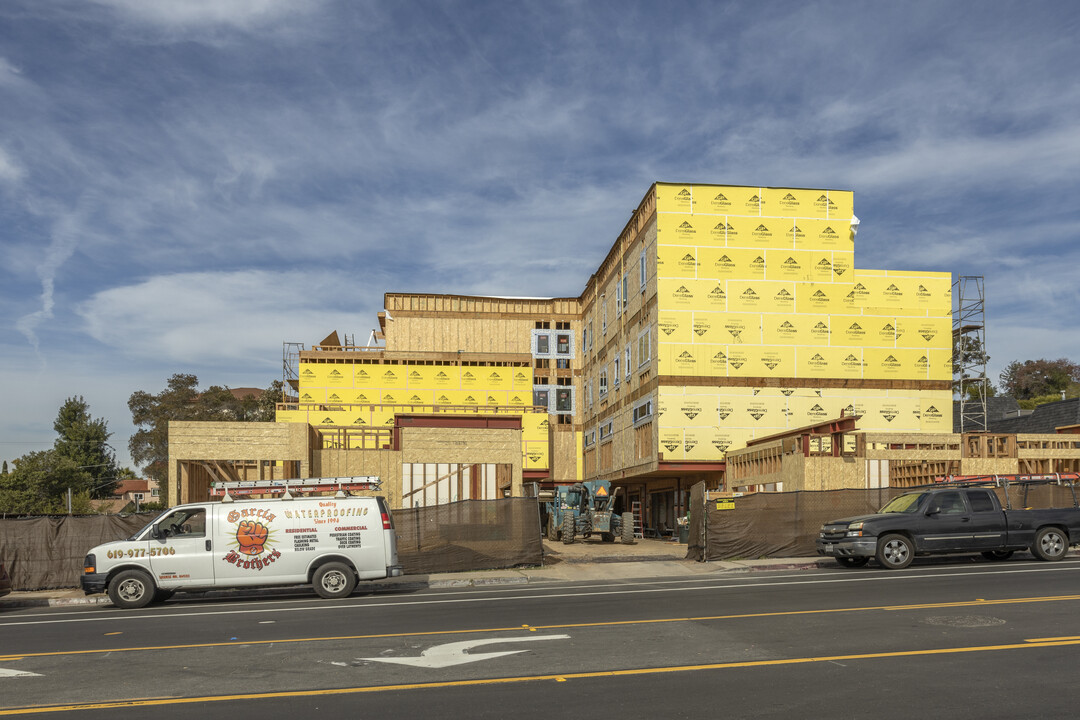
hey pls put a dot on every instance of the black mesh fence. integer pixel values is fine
(469, 535)
(781, 524)
(46, 553)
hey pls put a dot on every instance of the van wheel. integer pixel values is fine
(131, 589)
(334, 580)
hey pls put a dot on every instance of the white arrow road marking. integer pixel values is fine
(449, 654)
(4, 672)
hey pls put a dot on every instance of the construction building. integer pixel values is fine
(720, 316)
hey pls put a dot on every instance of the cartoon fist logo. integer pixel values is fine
(252, 536)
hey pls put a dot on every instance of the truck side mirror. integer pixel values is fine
(934, 510)
(155, 532)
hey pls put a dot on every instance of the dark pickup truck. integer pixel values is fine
(942, 520)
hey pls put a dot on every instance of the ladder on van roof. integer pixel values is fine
(306, 485)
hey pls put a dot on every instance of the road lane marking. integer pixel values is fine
(560, 677)
(263, 607)
(449, 654)
(4, 672)
(560, 626)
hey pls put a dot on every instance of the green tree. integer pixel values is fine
(84, 440)
(1035, 378)
(182, 400)
(81, 461)
(968, 352)
(39, 483)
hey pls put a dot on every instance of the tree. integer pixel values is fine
(84, 440)
(182, 400)
(1034, 378)
(968, 352)
(39, 483)
(80, 461)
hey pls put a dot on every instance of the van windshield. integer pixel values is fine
(908, 503)
(146, 527)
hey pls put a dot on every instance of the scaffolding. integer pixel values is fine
(969, 351)
(290, 371)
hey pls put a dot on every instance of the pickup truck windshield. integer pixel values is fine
(908, 503)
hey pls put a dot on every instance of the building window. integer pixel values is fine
(643, 412)
(644, 345)
(542, 325)
(615, 375)
(626, 363)
(589, 439)
(564, 400)
(642, 270)
(590, 335)
(563, 363)
(563, 343)
(543, 344)
(541, 396)
(618, 298)
(625, 289)
(562, 326)
(603, 382)
(603, 316)
(606, 430)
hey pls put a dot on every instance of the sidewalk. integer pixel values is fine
(583, 560)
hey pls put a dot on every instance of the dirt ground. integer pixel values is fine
(593, 550)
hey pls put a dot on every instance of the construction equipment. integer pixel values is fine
(587, 509)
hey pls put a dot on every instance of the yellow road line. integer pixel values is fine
(561, 626)
(148, 702)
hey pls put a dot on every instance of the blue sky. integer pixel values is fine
(186, 184)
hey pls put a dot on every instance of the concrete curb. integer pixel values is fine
(520, 576)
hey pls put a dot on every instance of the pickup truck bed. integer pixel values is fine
(938, 521)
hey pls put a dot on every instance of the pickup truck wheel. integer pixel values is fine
(998, 554)
(853, 562)
(131, 589)
(334, 580)
(895, 552)
(1050, 544)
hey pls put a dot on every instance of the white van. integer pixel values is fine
(329, 542)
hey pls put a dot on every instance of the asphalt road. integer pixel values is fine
(984, 640)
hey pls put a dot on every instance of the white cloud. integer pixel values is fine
(10, 170)
(224, 318)
(188, 13)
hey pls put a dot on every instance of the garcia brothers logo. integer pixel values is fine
(253, 540)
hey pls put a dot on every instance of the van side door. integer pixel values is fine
(181, 555)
